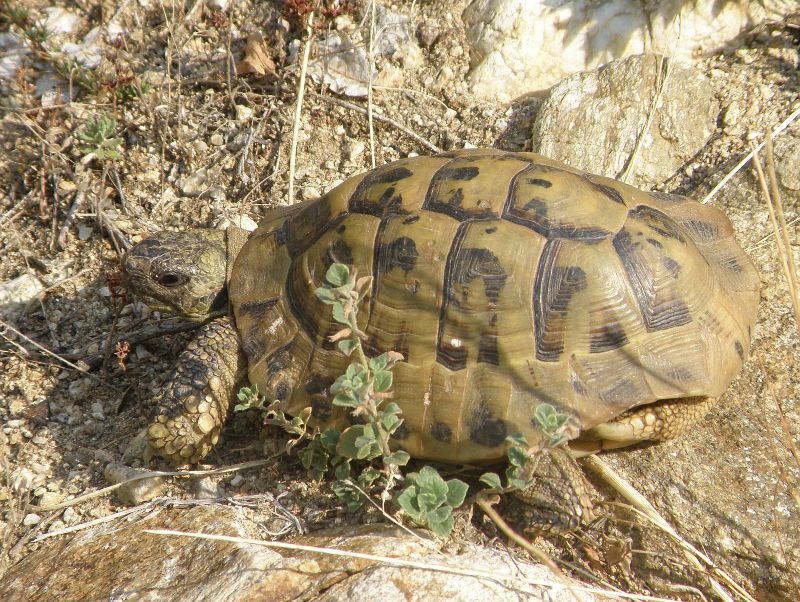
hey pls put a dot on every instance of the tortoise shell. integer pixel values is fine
(506, 280)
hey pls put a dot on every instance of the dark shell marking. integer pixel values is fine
(505, 280)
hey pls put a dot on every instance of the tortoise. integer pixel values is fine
(507, 280)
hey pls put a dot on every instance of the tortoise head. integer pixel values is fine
(179, 272)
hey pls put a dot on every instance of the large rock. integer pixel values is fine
(592, 120)
(119, 561)
(520, 46)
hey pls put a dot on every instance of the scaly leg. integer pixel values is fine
(195, 406)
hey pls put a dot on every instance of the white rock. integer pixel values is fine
(31, 519)
(12, 50)
(60, 20)
(520, 46)
(243, 113)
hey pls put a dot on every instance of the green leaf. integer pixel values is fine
(442, 528)
(456, 492)
(391, 408)
(398, 458)
(407, 500)
(342, 470)
(517, 456)
(430, 481)
(347, 346)
(338, 274)
(345, 400)
(329, 439)
(378, 364)
(241, 407)
(338, 313)
(390, 423)
(520, 484)
(325, 295)
(428, 501)
(383, 381)
(492, 479)
(517, 439)
(347, 441)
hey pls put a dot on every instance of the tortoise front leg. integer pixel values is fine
(197, 398)
(559, 497)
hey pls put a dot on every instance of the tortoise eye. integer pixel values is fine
(171, 279)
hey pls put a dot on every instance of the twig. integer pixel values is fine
(370, 65)
(505, 581)
(388, 120)
(301, 86)
(781, 238)
(661, 84)
(786, 122)
(61, 239)
(157, 473)
(43, 349)
(644, 508)
(791, 275)
(488, 508)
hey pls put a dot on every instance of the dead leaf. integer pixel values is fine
(256, 60)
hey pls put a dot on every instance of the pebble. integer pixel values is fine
(206, 488)
(69, 515)
(237, 480)
(97, 411)
(355, 149)
(22, 479)
(216, 140)
(243, 113)
(31, 519)
(309, 193)
(134, 492)
(50, 498)
(56, 525)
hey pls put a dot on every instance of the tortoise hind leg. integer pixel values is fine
(659, 421)
(559, 497)
(195, 406)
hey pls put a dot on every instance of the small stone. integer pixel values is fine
(237, 480)
(50, 498)
(56, 525)
(97, 411)
(206, 488)
(243, 113)
(31, 519)
(133, 492)
(309, 193)
(69, 515)
(355, 149)
(85, 232)
(195, 184)
(22, 480)
(216, 140)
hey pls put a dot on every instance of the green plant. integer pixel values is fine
(364, 389)
(15, 14)
(429, 500)
(98, 136)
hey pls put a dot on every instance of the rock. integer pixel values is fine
(572, 125)
(15, 294)
(134, 492)
(206, 488)
(31, 519)
(787, 160)
(520, 46)
(121, 561)
(342, 66)
(195, 184)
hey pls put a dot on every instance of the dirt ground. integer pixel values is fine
(204, 144)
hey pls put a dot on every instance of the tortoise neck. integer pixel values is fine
(235, 238)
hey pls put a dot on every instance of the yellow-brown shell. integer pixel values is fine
(506, 280)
